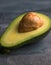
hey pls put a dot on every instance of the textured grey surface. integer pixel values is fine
(33, 54)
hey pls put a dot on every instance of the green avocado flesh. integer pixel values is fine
(12, 37)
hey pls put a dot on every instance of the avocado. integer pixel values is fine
(12, 37)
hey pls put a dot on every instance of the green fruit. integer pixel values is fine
(12, 37)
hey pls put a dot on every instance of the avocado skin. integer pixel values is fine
(4, 50)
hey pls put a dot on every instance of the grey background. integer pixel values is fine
(33, 54)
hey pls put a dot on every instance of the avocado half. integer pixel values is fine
(12, 37)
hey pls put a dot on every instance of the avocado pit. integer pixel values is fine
(29, 22)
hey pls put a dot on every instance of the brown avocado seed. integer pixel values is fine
(29, 22)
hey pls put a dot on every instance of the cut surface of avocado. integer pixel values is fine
(12, 37)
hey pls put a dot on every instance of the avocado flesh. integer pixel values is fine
(12, 37)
